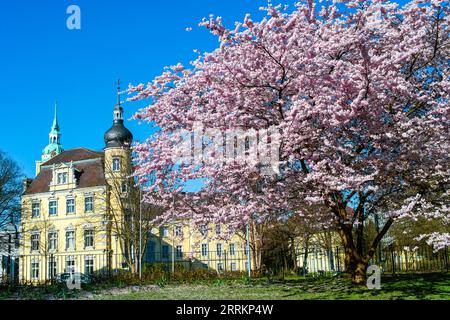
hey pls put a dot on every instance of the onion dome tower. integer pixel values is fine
(118, 135)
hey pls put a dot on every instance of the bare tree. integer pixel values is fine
(130, 222)
(10, 190)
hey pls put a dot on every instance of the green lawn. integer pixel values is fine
(434, 286)
(426, 286)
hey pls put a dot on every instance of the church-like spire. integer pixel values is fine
(118, 92)
(54, 146)
(55, 126)
(118, 110)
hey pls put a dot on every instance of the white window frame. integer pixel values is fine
(35, 269)
(203, 230)
(219, 252)
(73, 240)
(179, 252)
(71, 206)
(232, 249)
(35, 214)
(52, 266)
(124, 187)
(70, 268)
(52, 240)
(164, 231)
(204, 249)
(62, 178)
(89, 203)
(35, 237)
(116, 165)
(90, 265)
(85, 236)
(178, 231)
(50, 207)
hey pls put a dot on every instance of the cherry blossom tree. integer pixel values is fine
(358, 93)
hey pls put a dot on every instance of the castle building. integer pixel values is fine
(73, 207)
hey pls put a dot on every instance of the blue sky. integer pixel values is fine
(42, 61)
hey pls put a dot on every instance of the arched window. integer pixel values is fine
(116, 164)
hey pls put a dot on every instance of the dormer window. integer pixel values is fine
(62, 178)
(218, 230)
(178, 231)
(116, 164)
(203, 230)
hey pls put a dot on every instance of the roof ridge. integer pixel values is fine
(89, 150)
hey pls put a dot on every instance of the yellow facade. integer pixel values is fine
(196, 248)
(61, 226)
(78, 209)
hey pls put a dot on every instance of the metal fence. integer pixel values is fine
(58, 267)
(45, 268)
(391, 259)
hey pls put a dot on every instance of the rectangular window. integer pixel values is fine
(233, 266)
(70, 206)
(178, 231)
(88, 238)
(218, 230)
(116, 164)
(219, 249)
(165, 252)
(62, 178)
(70, 240)
(246, 248)
(34, 270)
(52, 241)
(204, 250)
(164, 232)
(89, 204)
(89, 265)
(203, 230)
(70, 265)
(35, 209)
(124, 187)
(52, 208)
(35, 242)
(179, 252)
(232, 249)
(52, 268)
(220, 266)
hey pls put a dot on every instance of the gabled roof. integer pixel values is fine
(91, 173)
(74, 155)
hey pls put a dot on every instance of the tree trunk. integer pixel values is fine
(305, 257)
(355, 264)
(294, 253)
